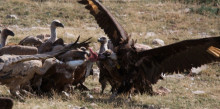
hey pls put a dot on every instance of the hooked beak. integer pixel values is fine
(99, 39)
(60, 25)
(12, 33)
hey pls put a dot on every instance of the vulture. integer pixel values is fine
(14, 49)
(39, 39)
(84, 70)
(17, 70)
(139, 70)
(107, 47)
(6, 103)
(61, 77)
(104, 75)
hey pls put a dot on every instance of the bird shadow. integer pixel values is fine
(118, 102)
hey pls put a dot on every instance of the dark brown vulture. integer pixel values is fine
(139, 70)
(104, 75)
(61, 75)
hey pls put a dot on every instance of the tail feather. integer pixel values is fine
(214, 51)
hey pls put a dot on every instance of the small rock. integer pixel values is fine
(69, 35)
(150, 34)
(36, 107)
(198, 92)
(187, 10)
(90, 96)
(76, 107)
(163, 90)
(12, 16)
(198, 69)
(83, 108)
(158, 42)
(93, 105)
(177, 76)
(38, 20)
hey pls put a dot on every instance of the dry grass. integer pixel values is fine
(171, 22)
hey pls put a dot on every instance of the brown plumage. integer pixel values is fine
(31, 41)
(14, 49)
(16, 70)
(6, 103)
(140, 70)
(18, 50)
(61, 76)
(104, 75)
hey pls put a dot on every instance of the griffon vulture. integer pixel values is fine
(14, 49)
(38, 40)
(16, 70)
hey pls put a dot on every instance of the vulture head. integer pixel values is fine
(50, 62)
(107, 54)
(102, 40)
(56, 23)
(7, 32)
(4, 34)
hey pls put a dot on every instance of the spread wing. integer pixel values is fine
(179, 56)
(107, 22)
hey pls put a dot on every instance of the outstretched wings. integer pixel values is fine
(180, 56)
(106, 21)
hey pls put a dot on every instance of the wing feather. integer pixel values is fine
(106, 21)
(11, 59)
(181, 56)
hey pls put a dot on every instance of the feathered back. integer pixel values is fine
(10, 59)
(18, 50)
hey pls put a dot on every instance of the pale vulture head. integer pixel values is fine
(102, 40)
(56, 23)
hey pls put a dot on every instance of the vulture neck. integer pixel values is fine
(53, 35)
(3, 39)
(103, 47)
(44, 68)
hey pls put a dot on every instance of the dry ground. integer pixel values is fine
(145, 20)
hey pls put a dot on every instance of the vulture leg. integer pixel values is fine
(102, 80)
(15, 93)
(26, 93)
(114, 94)
(81, 87)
